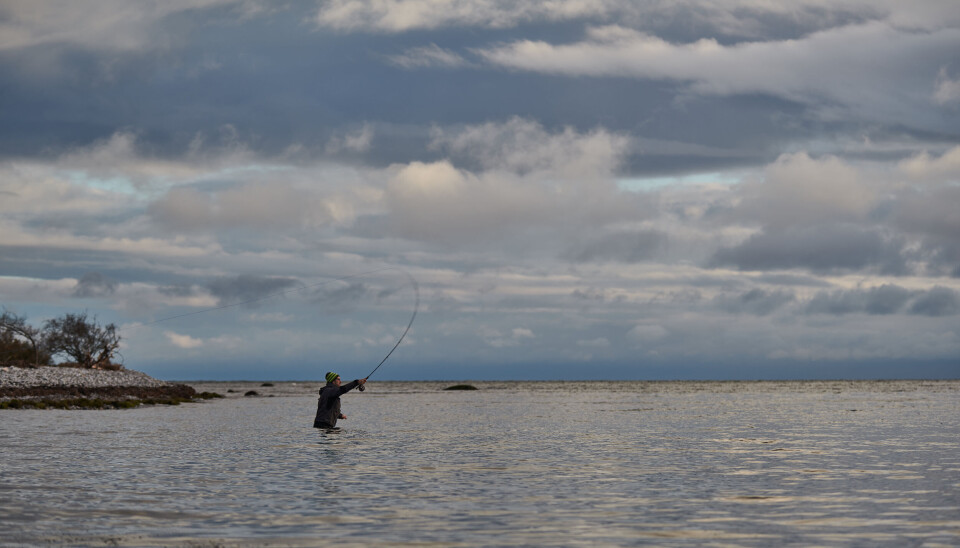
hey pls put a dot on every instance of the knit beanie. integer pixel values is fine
(331, 376)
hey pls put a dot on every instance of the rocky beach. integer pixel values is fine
(71, 387)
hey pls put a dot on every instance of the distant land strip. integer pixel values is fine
(68, 387)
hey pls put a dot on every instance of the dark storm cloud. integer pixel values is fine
(939, 301)
(624, 247)
(756, 301)
(886, 299)
(820, 249)
(247, 289)
(94, 284)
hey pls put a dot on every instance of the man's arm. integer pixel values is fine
(344, 388)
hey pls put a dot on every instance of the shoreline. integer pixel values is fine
(74, 388)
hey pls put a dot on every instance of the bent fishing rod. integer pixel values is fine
(416, 307)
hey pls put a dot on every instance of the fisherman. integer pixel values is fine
(328, 407)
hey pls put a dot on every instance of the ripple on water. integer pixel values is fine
(752, 464)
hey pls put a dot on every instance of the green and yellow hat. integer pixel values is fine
(331, 376)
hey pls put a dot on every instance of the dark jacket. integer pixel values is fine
(328, 407)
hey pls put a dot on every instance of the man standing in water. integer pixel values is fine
(328, 407)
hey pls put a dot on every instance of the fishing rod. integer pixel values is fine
(416, 307)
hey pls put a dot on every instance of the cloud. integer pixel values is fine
(930, 215)
(94, 284)
(524, 146)
(271, 205)
(123, 159)
(113, 25)
(885, 299)
(947, 91)
(647, 333)
(525, 179)
(340, 298)
(439, 203)
(758, 302)
(522, 333)
(924, 167)
(937, 302)
(183, 341)
(623, 246)
(821, 248)
(273, 317)
(707, 194)
(406, 15)
(246, 288)
(737, 17)
(835, 64)
(797, 190)
(599, 342)
(432, 56)
(494, 337)
(357, 141)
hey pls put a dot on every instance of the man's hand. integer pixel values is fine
(363, 382)
(342, 416)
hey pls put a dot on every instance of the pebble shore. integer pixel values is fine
(20, 377)
(70, 384)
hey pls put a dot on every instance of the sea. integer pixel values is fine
(805, 463)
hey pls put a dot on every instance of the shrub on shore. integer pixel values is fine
(82, 340)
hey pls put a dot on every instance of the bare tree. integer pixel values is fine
(14, 329)
(89, 344)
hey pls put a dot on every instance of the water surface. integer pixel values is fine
(678, 463)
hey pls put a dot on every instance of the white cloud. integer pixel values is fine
(744, 17)
(265, 205)
(838, 64)
(405, 15)
(35, 290)
(119, 159)
(947, 91)
(521, 145)
(428, 56)
(357, 141)
(800, 190)
(925, 167)
(183, 341)
(529, 180)
(30, 188)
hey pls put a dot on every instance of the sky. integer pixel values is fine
(613, 189)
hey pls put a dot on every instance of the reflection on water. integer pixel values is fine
(734, 464)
